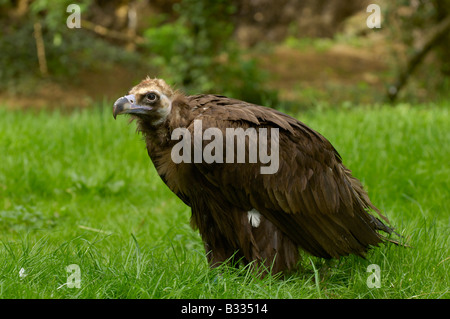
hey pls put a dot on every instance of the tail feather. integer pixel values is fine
(363, 199)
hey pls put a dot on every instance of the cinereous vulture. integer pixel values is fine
(261, 185)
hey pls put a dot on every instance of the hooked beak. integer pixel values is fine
(126, 105)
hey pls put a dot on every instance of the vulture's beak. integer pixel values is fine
(126, 104)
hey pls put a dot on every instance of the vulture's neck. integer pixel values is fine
(158, 136)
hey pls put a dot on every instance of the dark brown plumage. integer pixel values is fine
(312, 202)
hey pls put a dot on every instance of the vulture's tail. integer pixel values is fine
(364, 200)
(387, 229)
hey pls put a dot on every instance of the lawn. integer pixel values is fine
(79, 189)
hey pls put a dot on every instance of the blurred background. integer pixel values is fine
(295, 54)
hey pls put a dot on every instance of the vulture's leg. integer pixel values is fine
(219, 253)
(267, 246)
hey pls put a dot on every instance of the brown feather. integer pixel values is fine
(312, 202)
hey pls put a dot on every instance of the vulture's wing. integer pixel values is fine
(312, 197)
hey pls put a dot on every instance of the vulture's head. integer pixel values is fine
(150, 100)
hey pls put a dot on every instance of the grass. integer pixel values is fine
(80, 189)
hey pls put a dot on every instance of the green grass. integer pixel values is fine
(80, 189)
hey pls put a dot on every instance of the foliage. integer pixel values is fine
(68, 51)
(409, 23)
(193, 43)
(197, 51)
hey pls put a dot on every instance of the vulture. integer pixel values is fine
(261, 185)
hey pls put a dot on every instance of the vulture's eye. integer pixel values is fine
(152, 97)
